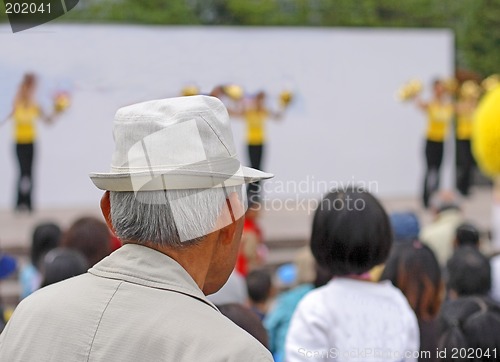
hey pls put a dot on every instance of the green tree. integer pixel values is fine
(478, 37)
(476, 23)
(173, 12)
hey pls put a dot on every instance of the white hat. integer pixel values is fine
(175, 143)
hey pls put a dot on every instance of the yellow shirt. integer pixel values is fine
(464, 127)
(439, 118)
(465, 117)
(24, 123)
(255, 126)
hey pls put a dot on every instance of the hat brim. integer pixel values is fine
(175, 180)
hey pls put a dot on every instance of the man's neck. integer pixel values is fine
(195, 259)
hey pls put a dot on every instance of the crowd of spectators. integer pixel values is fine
(367, 287)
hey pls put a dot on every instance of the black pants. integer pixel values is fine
(255, 154)
(434, 158)
(465, 166)
(25, 153)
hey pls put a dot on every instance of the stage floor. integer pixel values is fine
(278, 223)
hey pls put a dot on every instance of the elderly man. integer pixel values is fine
(175, 197)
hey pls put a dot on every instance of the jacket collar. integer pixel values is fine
(145, 266)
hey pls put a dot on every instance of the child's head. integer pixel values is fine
(46, 237)
(62, 263)
(259, 285)
(469, 273)
(413, 268)
(351, 232)
(467, 235)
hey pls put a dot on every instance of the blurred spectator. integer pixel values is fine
(495, 216)
(495, 278)
(46, 237)
(471, 325)
(469, 273)
(467, 235)
(440, 234)
(91, 237)
(405, 229)
(306, 266)
(253, 252)
(260, 290)
(8, 266)
(246, 320)
(234, 291)
(308, 276)
(495, 230)
(286, 276)
(405, 226)
(351, 234)
(414, 269)
(62, 263)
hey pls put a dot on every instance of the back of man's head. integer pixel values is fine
(46, 237)
(259, 285)
(467, 235)
(469, 272)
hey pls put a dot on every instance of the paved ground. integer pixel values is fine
(278, 224)
(284, 230)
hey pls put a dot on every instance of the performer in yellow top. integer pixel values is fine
(465, 162)
(439, 112)
(25, 113)
(255, 113)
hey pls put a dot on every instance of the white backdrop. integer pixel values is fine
(344, 127)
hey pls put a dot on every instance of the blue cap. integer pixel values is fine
(405, 226)
(7, 265)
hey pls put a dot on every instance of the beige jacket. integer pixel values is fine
(136, 305)
(440, 234)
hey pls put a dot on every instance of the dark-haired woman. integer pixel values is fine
(413, 268)
(352, 318)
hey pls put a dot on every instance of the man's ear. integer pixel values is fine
(228, 220)
(226, 234)
(106, 210)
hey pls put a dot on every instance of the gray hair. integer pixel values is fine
(171, 218)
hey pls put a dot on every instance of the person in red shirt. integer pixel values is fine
(253, 251)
